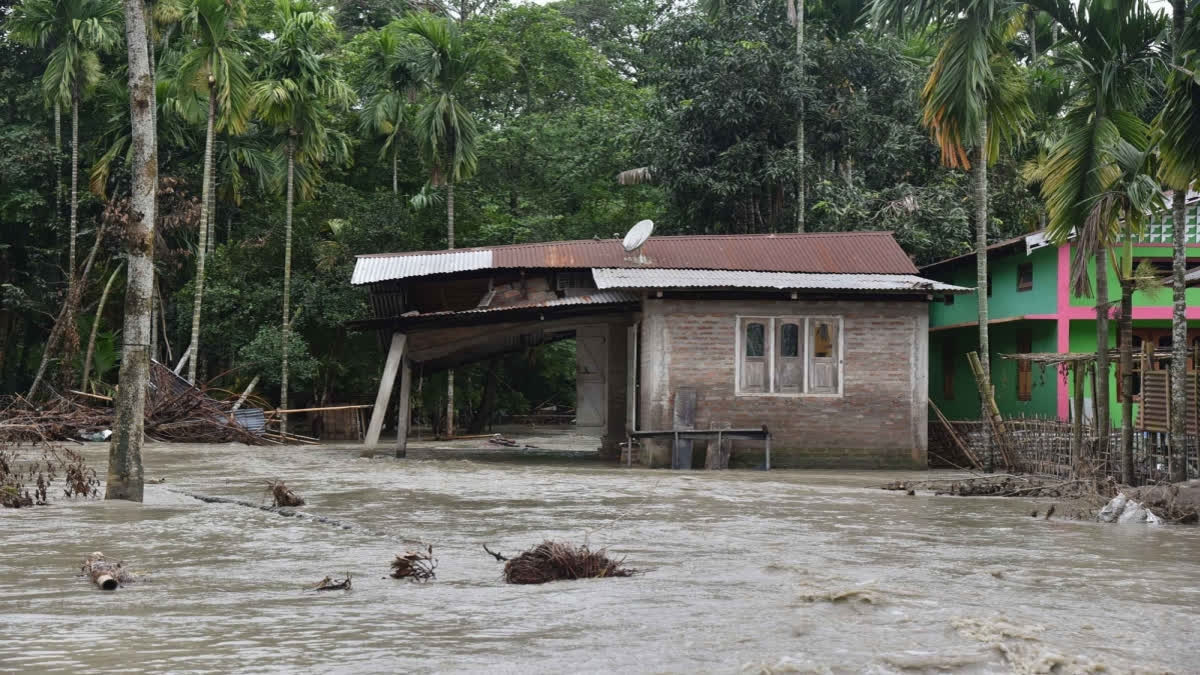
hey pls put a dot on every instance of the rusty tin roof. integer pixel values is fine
(826, 253)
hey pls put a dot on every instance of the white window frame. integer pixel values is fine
(771, 327)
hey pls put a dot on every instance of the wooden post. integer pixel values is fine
(1077, 375)
(390, 368)
(768, 459)
(405, 414)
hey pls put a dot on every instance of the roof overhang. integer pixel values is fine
(623, 278)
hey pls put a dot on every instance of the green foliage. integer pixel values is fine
(263, 353)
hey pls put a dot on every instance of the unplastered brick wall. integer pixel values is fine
(878, 420)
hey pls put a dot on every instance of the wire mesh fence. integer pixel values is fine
(1041, 445)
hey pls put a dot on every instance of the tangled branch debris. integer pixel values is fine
(283, 495)
(418, 565)
(1010, 485)
(331, 584)
(17, 471)
(106, 575)
(175, 412)
(552, 560)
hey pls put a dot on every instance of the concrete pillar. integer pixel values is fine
(655, 396)
(920, 388)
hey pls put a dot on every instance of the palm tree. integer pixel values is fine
(76, 32)
(1114, 51)
(444, 128)
(1117, 215)
(214, 66)
(1179, 126)
(795, 17)
(299, 89)
(973, 101)
(392, 83)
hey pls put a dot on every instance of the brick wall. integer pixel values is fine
(878, 421)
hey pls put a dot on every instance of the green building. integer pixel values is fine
(1031, 309)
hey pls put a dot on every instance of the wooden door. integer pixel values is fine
(824, 342)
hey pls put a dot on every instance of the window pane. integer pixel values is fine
(789, 340)
(755, 333)
(823, 337)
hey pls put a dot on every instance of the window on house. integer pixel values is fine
(1025, 277)
(754, 356)
(1024, 366)
(789, 355)
(948, 362)
(948, 299)
(989, 284)
(789, 366)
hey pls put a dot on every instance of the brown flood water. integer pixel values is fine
(743, 572)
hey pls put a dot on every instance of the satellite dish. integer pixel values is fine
(638, 235)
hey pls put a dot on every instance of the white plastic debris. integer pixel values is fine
(96, 435)
(1122, 509)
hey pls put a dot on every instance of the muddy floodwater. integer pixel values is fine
(742, 571)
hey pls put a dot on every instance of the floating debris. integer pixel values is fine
(106, 575)
(331, 584)
(551, 561)
(415, 565)
(283, 495)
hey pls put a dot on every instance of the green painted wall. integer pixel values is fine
(1006, 301)
(1003, 339)
(1162, 298)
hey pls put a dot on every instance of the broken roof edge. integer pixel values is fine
(637, 278)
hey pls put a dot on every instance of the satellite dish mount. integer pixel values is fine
(636, 238)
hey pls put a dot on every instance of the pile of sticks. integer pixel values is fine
(175, 412)
(552, 560)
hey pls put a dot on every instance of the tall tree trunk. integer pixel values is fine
(125, 478)
(450, 245)
(212, 207)
(1177, 455)
(979, 173)
(801, 197)
(58, 180)
(91, 346)
(1103, 372)
(74, 223)
(395, 177)
(287, 277)
(1126, 329)
(202, 247)
(1177, 461)
(1033, 49)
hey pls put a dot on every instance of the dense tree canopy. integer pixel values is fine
(559, 99)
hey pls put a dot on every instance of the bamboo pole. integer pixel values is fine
(987, 396)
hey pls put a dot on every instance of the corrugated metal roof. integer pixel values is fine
(660, 278)
(370, 269)
(597, 298)
(830, 253)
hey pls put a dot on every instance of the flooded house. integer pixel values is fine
(811, 346)
(1033, 309)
